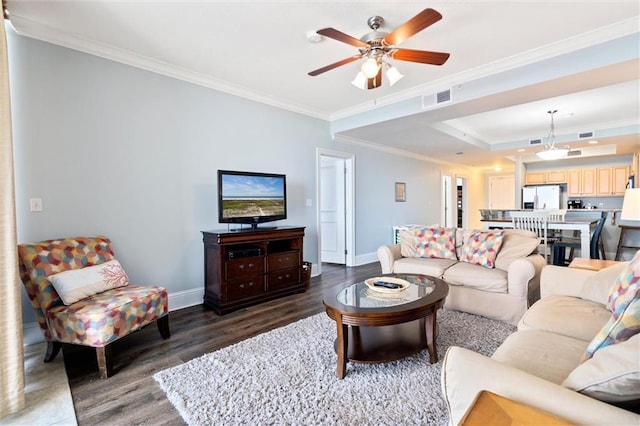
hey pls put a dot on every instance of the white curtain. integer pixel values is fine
(11, 351)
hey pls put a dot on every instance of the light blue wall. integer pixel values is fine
(376, 209)
(116, 150)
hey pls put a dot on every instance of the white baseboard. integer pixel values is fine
(364, 259)
(31, 333)
(186, 298)
(178, 300)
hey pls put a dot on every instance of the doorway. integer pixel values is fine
(335, 207)
(461, 202)
(447, 214)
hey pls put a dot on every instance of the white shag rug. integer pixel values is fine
(288, 377)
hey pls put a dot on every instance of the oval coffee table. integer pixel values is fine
(380, 327)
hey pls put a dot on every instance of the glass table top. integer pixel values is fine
(364, 296)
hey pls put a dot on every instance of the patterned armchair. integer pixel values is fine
(95, 320)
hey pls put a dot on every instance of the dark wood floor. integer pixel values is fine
(131, 396)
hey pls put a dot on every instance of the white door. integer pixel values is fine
(448, 209)
(332, 210)
(502, 192)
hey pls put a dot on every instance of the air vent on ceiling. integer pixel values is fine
(436, 98)
(585, 135)
(535, 141)
(574, 153)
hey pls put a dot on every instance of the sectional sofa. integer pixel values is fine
(576, 353)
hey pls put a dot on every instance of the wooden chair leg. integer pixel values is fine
(52, 350)
(103, 354)
(163, 327)
(603, 256)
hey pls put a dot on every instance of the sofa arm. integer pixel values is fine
(387, 255)
(563, 281)
(465, 373)
(523, 277)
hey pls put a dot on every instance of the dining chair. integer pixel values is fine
(596, 246)
(81, 295)
(536, 221)
(555, 215)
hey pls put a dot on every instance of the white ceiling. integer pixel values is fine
(499, 72)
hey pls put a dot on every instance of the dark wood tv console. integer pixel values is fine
(248, 267)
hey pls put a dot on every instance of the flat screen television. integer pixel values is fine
(251, 198)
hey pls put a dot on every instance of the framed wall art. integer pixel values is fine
(401, 192)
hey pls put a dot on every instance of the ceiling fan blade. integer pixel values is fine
(340, 36)
(421, 56)
(414, 25)
(334, 65)
(376, 81)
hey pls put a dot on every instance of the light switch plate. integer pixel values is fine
(35, 204)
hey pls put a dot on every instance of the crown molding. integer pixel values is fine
(47, 34)
(28, 28)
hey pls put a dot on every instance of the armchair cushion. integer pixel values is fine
(105, 317)
(76, 284)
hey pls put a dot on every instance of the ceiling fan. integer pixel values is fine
(376, 46)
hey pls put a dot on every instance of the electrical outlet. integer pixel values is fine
(35, 204)
(309, 202)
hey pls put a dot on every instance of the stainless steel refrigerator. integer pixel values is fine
(541, 197)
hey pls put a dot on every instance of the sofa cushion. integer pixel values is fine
(418, 265)
(566, 315)
(475, 276)
(611, 375)
(482, 247)
(516, 244)
(599, 285)
(431, 242)
(547, 355)
(76, 284)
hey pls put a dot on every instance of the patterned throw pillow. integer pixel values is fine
(482, 248)
(624, 301)
(436, 242)
(76, 284)
(409, 240)
(627, 286)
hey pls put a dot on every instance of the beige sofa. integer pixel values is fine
(503, 292)
(540, 364)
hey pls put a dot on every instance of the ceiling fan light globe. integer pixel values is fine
(393, 75)
(370, 68)
(360, 81)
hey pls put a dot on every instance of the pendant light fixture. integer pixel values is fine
(550, 151)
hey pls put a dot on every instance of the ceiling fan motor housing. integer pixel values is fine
(375, 22)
